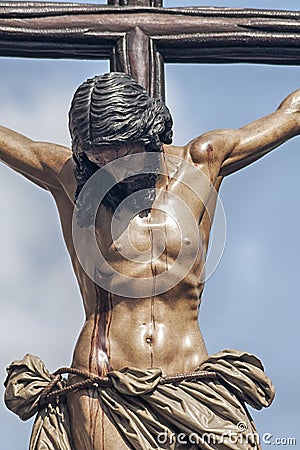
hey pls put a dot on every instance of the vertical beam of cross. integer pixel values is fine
(136, 54)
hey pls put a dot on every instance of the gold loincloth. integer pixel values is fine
(149, 411)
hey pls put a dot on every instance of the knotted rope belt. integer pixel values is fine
(90, 381)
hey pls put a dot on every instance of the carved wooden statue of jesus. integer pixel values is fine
(138, 238)
(136, 213)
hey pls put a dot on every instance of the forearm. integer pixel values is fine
(281, 125)
(264, 135)
(268, 133)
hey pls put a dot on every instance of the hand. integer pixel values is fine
(292, 103)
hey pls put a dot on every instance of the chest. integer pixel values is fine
(169, 233)
(171, 229)
(142, 239)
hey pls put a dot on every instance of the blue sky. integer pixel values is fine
(251, 302)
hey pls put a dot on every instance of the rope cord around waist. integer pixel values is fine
(90, 381)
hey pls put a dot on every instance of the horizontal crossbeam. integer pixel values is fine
(180, 35)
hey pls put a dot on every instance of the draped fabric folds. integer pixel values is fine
(25, 382)
(207, 414)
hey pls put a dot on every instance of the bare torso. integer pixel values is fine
(159, 330)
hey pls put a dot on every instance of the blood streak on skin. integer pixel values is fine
(166, 243)
(165, 214)
(91, 392)
(153, 271)
(104, 321)
(108, 323)
(210, 154)
(210, 159)
(103, 365)
(100, 343)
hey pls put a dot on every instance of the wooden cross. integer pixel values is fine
(139, 36)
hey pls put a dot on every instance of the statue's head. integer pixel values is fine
(110, 110)
(111, 114)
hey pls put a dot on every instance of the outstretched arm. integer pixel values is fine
(46, 164)
(234, 149)
(260, 137)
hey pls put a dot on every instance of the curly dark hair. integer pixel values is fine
(114, 108)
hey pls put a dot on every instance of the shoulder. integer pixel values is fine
(58, 159)
(51, 155)
(211, 145)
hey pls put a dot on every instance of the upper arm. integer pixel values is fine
(235, 149)
(46, 164)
